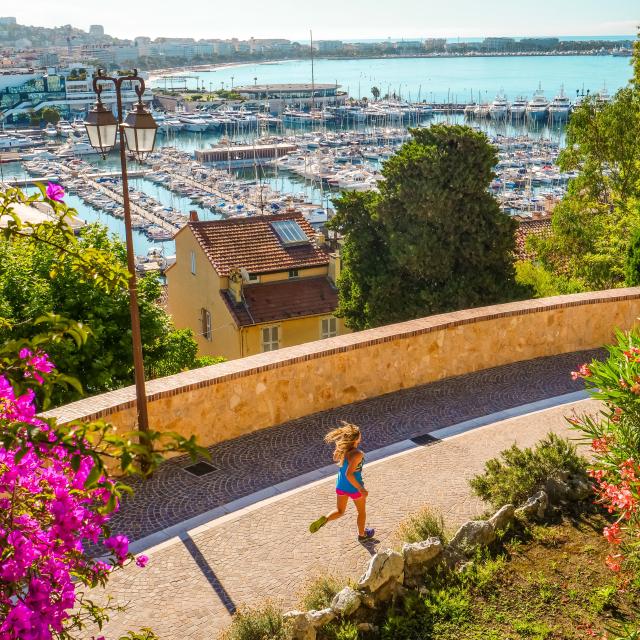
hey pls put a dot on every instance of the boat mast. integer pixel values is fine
(313, 84)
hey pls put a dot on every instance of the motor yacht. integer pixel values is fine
(560, 107)
(538, 107)
(64, 128)
(518, 108)
(192, 122)
(499, 108)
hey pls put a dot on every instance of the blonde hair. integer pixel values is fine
(345, 438)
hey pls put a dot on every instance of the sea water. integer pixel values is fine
(458, 79)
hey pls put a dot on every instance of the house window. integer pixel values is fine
(293, 273)
(193, 262)
(254, 277)
(328, 328)
(270, 338)
(205, 318)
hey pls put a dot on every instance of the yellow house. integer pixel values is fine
(248, 285)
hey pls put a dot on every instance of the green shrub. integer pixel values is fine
(424, 524)
(602, 598)
(320, 592)
(448, 605)
(409, 621)
(345, 630)
(518, 473)
(261, 623)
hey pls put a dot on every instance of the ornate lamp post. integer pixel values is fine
(138, 133)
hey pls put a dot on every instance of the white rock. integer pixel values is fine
(301, 628)
(535, 506)
(346, 602)
(473, 534)
(418, 554)
(502, 518)
(383, 566)
(321, 617)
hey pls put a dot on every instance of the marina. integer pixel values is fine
(234, 159)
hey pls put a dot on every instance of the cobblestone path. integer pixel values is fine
(270, 456)
(265, 551)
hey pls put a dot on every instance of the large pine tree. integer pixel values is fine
(433, 240)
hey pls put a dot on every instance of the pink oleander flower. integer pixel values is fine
(142, 561)
(582, 372)
(613, 534)
(614, 562)
(54, 192)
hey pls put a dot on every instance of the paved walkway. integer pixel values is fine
(265, 551)
(268, 457)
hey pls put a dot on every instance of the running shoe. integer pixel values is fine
(368, 534)
(318, 524)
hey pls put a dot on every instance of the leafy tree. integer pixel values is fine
(633, 261)
(50, 115)
(36, 282)
(593, 224)
(375, 92)
(432, 240)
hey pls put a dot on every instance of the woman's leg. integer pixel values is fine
(341, 505)
(361, 506)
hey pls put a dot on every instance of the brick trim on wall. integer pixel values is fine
(103, 405)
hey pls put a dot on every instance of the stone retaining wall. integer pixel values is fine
(227, 400)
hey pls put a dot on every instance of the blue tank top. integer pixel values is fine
(343, 483)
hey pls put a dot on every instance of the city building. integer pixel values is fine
(96, 30)
(329, 46)
(69, 90)
(303, 96)
(7, 21)
(248, 285)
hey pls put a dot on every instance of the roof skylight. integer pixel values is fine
(289, 232)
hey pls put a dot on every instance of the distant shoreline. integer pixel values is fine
(157, 74)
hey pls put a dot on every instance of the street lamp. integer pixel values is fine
(138, 134)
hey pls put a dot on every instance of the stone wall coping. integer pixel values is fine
(110, 402)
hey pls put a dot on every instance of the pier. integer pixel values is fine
(66, 173)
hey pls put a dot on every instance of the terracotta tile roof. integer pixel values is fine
(275, 301)
(528, 227)
(253, 244)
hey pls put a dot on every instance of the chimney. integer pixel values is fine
(334, 267)
(193, 216)
(320, 240)
(235, 285)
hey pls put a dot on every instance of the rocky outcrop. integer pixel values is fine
(472, 535)
(535, 507)
(419, 557)
(300, 627)
(502, 518)
(346, 602)
(383, 566)
(321, 617)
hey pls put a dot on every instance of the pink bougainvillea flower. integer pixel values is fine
(141, 561)
(55, 192)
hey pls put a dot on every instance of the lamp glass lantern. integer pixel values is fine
(102, 128)
(140, 131)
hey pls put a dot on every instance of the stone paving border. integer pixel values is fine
(216, 516)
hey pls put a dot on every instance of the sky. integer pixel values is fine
(336, 19)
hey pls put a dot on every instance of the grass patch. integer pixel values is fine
(260, 623)
(319, 593)
(424, 524)
(518, 473)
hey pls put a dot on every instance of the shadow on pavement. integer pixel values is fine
(208, 573)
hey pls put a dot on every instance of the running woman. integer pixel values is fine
(349, 483)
